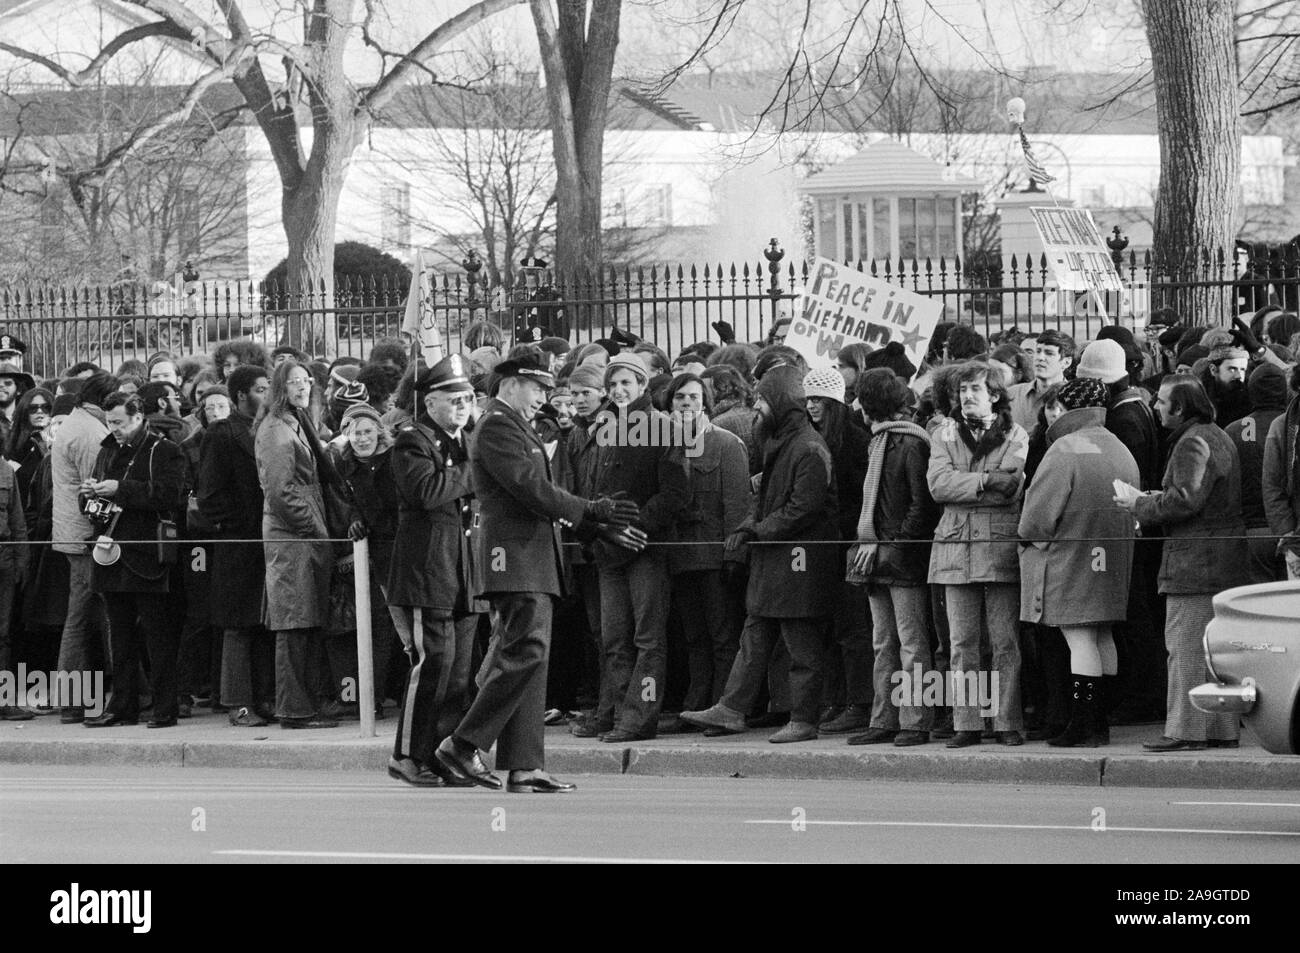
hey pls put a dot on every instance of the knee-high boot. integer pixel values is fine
(1085, 715)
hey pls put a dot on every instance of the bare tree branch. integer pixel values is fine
(383, 91)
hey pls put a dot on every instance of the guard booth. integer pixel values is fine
(885, 203)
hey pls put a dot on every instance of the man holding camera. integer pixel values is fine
(137, 484)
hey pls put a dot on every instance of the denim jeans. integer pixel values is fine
(997, 606)
(901, 640)
(79, 629)
(634, 642)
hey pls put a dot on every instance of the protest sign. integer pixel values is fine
(843, 306)
(1077, 254)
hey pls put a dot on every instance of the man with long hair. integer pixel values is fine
(976, 470)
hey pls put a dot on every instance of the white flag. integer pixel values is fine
(419, 320)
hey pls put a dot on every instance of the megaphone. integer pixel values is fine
(106, 552)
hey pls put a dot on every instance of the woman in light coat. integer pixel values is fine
(1078, 555)
(291, 467)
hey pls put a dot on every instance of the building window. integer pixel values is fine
(882, 241)
(927, 228)
(395, 215)
(51, 222)
(659, 204)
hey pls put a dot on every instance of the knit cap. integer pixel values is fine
(824, 382)
(1083, 392)
(627, 360)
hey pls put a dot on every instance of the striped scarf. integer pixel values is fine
(880, 432)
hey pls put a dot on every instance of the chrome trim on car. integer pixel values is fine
(1205, 648)
(1215, 698)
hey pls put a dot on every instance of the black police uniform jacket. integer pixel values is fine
(519, 541)
(433, 559)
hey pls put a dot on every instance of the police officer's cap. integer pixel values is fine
(528, 366)
(449, 374)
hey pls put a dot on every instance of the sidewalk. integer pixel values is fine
(207, 741)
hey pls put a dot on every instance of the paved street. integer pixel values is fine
(132, 815)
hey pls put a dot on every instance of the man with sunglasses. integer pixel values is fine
(429, 584)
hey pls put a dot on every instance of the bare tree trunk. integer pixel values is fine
(1195, 68)
(578, 57)
(310, 214)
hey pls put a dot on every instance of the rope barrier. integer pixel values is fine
(686, 543)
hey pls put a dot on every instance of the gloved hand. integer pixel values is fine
(739, 538)
(1000, 482)
(735, 575)
(358, 530)
(725, 332)
(628, 537)
(612, 511)
(1244, 336)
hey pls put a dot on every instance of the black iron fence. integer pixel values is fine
(671, 305)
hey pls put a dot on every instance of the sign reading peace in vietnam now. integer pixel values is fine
(843, 306)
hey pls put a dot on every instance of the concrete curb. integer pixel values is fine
(986, 765)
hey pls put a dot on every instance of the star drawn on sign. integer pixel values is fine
(911, 339)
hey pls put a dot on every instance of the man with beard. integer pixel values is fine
(13, 382)
(230, 498)
(792, 588)
(1225, 382)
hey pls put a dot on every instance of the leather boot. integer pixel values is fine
(1085, 710)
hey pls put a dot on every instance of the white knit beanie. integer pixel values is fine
(824, 382)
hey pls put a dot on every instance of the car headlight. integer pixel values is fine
(1205, 648)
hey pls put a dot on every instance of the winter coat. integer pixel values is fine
(985, 522)
(850, 463)
(742, 420)
(13, 522)
(433, 558)
(230, 498)
(796, 501)
(74, 454)
(150, 471)
(27, 458)
(519, 506)
(1249, 435)
(1082, 575)
(645, 471)
(720, 500)
(374, 499)
(1200, 496)
(905, 510)
(1280, 488)
(1131, 419)
(293, 508)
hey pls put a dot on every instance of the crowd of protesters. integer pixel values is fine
(808, 547)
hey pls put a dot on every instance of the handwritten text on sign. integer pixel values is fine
(1079, 257)
(843, 306)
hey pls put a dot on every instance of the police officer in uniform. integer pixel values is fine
(520, 567)
(541, 313)
(429, 583)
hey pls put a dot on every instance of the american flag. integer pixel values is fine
(1036, 170)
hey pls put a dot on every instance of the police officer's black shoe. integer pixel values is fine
(412, 772)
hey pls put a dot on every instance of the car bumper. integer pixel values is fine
(1216, 698)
